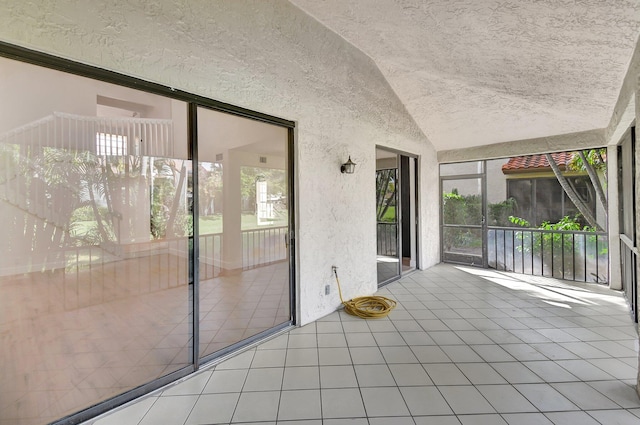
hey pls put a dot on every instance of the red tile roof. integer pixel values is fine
(535, 162)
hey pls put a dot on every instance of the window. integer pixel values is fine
(543, 199)
(111, 144)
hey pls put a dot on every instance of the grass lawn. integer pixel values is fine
(208, 225)
(390, 215)
(213, 223)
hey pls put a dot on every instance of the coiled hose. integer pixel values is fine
(369, 307)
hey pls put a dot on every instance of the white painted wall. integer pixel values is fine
(271, 57)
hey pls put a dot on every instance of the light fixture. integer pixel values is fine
(348, 167)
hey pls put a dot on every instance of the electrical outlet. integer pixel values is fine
(327, 289)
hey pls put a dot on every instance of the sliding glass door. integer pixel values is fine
(94, 256)
(243, 177)
(143, 235)
(396, 223)
(627, 208)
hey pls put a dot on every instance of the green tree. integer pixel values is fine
(386, 194)
(591, 161)
(276, 184)
(500, 212)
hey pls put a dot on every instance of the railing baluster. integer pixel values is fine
(553, 256)
(542, 253)
(495, 247)
(521, 252)
(261, 246)
(504, 249)
(272, 244)
(597, 261)
(572, 247)
(564, 265)
(567, 268)
(513, 251)
(584, 241)
(532, 252)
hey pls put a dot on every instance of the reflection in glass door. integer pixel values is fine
(462, 220)
(121, 251)
(388, 262)
(94, 284)
(243, 223)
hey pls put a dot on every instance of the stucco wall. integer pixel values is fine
(271, 57)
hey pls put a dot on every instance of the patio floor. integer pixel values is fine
(464, 346)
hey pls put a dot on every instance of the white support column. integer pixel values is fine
(613, 219)
(135, 208)
(231, 212)
(637, 210)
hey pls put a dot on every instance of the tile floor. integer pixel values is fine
(388, 267)
(69, 340)
(464, 346)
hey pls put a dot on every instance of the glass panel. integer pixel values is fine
(500, 205)
(94, 256)
(388, 262)
(408, 191)
(244, 219)
(462, 201)
(627, 176)
(461, 168)
(519, 191)
(462, 245)
(549, 194)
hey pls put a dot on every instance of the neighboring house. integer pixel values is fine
(539, 195)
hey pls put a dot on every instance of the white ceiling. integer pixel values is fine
(476, 72)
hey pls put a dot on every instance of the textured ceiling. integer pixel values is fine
(476, 72)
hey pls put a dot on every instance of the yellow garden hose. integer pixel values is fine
(370, 307)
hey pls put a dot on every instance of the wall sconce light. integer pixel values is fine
(348, 167)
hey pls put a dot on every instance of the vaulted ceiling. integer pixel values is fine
(476, 72)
